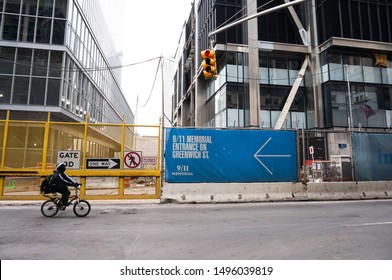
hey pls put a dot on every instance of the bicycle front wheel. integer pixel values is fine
(82, 208)
(49, 208)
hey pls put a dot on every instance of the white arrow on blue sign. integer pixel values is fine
(258, 156)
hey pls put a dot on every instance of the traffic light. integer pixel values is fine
(209, 64)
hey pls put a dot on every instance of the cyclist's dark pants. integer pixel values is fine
(64, 193)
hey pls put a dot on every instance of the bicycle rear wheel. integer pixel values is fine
(82, 208)
(49, 208)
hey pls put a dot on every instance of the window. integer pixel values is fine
(278, 72)
(58, 32)
(365, 20)
(29, 7)
(23, 61)
(12, 6)
(21, 90)
(5, 89)
(40, 62)
(60, 10)
(53, 92)
(336, 106)
(277, 26)
(371, 73)
(38, 91)
(335, 66)
(7, 56)
(354, 73)
(45, 8)
(235, 106)
(10, 29)
(44, 26)
(294, 65)
(26, 32)
(355, 20)
(56, 62)
(367, 106)
(374, 22)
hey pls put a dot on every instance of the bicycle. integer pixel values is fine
(50, 207)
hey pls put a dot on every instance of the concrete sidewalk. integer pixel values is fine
(92, 202)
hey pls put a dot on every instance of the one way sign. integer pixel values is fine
(103, 163)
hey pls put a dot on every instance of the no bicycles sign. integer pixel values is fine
(133, 160)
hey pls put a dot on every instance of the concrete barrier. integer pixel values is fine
(259, 192)
(373, 190)
(332, 191)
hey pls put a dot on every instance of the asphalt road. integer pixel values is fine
(348, 230)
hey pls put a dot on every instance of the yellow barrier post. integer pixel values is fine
(121, 179)
(83, 163)
(5, 139)
(45, 144)
(3, 152)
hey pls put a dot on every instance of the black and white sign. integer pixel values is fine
(71, 159)
(103, 163)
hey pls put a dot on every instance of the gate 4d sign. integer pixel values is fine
(133, 160)
(103, 163)
(70, 158)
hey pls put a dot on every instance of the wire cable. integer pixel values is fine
(153, 85)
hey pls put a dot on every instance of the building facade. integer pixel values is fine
(56, 56)
(344, 47)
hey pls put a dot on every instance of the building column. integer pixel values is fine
(200, 92)
(253, 64)
(315, 70)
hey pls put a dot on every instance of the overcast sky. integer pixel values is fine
(145, 30)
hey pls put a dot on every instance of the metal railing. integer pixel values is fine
(112, 161)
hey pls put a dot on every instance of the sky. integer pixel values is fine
(144, 30)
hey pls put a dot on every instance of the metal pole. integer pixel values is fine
(255, 15)
(303, 151)
(162, 124)
(350, 125)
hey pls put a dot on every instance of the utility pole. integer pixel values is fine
(162, 123)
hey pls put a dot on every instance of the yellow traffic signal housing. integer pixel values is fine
(209, 64)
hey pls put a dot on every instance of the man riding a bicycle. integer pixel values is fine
(60, 182)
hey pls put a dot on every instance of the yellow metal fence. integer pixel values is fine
(111, 161)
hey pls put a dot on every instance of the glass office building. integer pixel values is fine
(56, 56)
(258, 63)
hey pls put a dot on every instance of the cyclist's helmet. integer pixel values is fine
(61, 167)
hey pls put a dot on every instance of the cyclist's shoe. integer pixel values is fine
(62, 208)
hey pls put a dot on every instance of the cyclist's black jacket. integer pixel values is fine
(61, 179)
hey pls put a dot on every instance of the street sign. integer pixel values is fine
(133, 160)
(214, 155)
(71, 159)
(311, 150)
(150, 160)
(103, 163)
